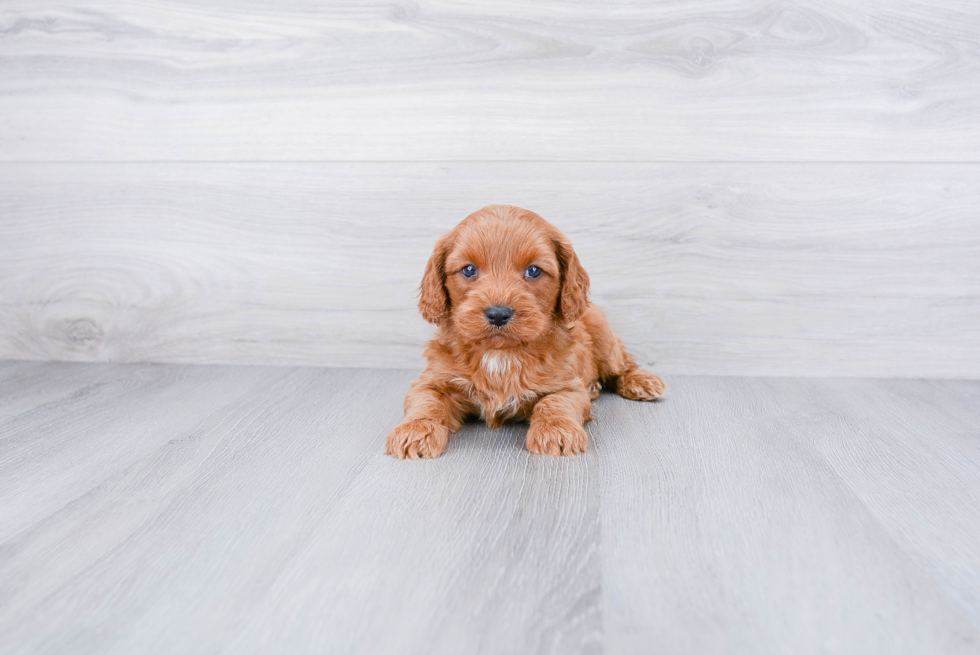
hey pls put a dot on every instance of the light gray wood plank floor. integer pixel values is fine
(170, 508)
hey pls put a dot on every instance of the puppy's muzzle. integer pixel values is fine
(498, 315)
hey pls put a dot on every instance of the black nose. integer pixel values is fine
(498, 315)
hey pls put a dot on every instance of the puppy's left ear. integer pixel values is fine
(574, 297)
(433, 297)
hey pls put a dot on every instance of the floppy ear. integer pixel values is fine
(573, 299)
(433, 297)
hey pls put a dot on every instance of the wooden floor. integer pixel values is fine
(188, 509)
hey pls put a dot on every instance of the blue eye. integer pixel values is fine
(533, 271)
(469, 271)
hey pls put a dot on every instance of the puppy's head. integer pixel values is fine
(502, 277)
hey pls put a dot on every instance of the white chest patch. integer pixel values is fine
(501, 397)
(497, 363)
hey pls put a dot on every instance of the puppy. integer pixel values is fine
(517, 339)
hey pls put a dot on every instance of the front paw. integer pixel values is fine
(640, 385)
(556, 438)
(417, 438)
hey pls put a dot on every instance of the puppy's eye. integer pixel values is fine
(469, 271)
(533, 271)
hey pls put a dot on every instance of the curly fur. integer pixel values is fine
(545, 365)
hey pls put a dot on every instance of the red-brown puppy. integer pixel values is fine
(517, 339)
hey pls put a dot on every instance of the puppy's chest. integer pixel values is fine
(499, 388)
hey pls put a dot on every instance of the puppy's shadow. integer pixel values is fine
(477, 436)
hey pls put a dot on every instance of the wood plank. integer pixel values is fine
(770, 515)
(111, 80)
(247, 509)
(75, 433)
(873, 435)
(761, 269)
(229, 509)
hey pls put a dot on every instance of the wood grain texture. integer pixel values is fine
(220, 495)
(761, 269)
(737, 515)
(167, 508)
(109, 80)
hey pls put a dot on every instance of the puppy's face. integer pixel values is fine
(502, 278)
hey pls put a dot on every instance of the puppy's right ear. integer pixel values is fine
(433, 297)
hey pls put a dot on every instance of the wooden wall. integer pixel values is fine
(755, 187)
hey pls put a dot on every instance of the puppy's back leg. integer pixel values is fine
(617, 368)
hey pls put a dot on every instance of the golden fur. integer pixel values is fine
(546, 364)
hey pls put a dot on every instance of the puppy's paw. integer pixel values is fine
(640, 385)
(417, 438)
(556, 438)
